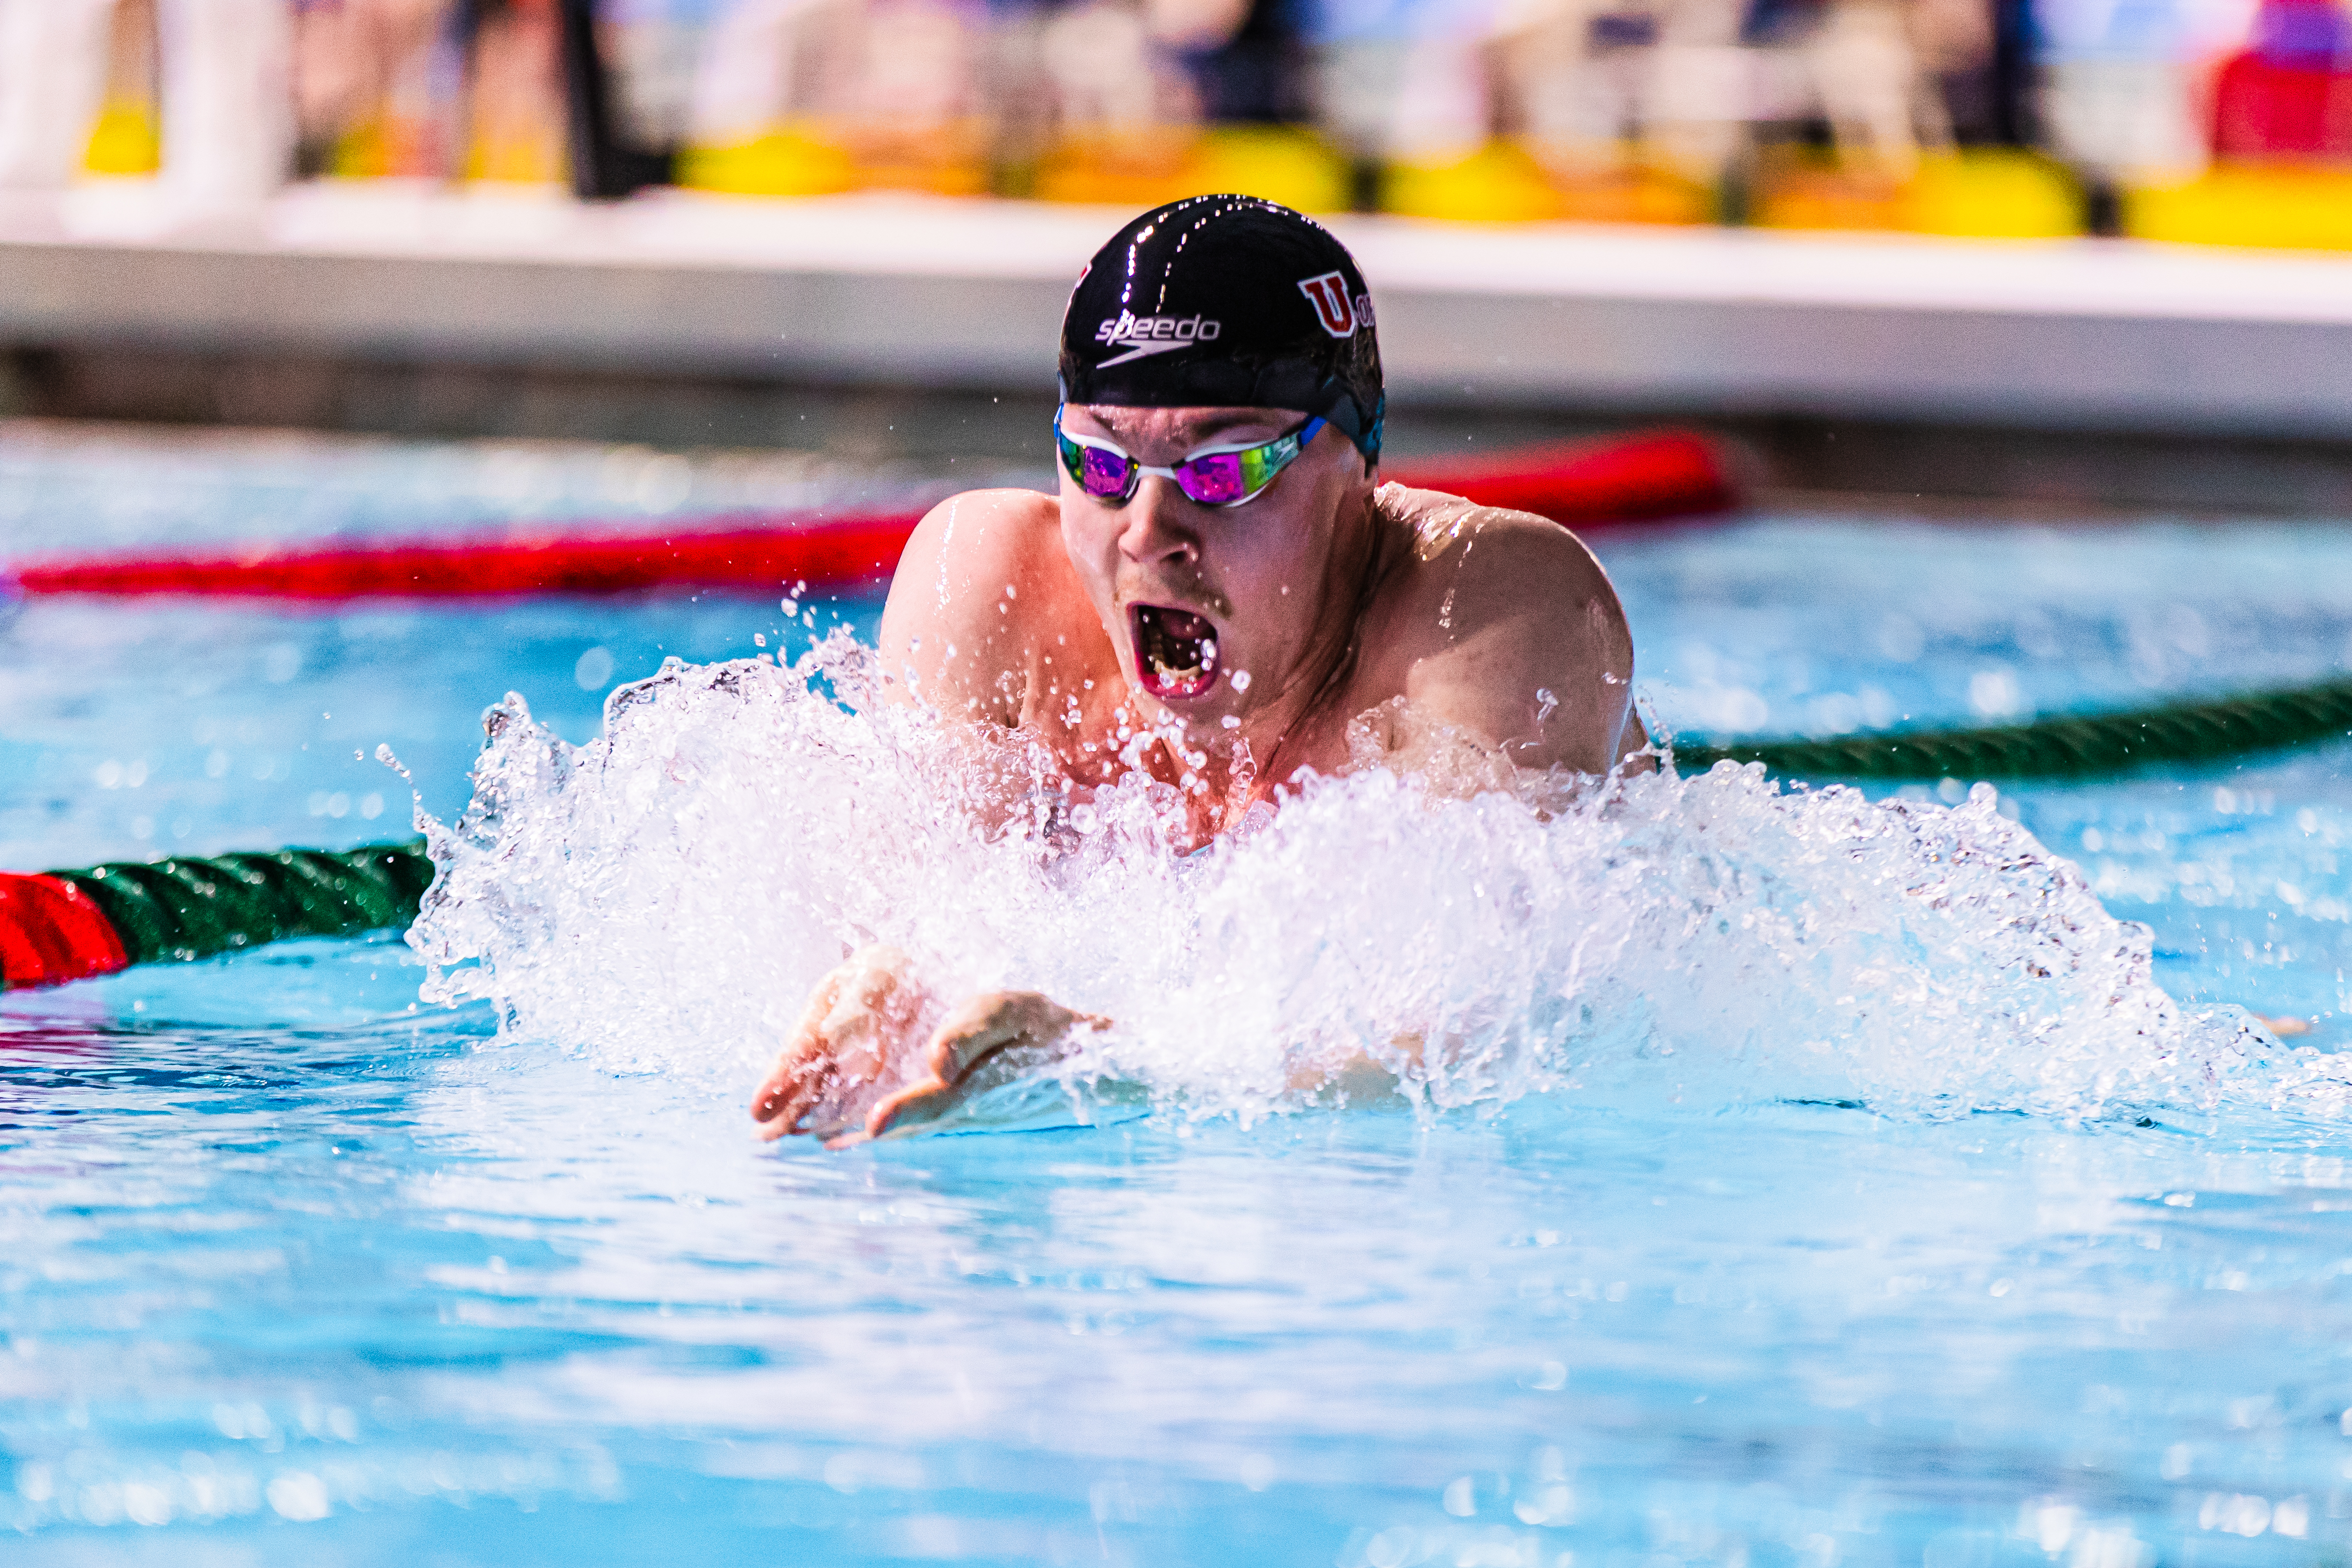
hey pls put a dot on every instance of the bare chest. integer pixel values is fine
(1075, 700)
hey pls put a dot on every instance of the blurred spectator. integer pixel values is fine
(1632, 111)
(910, 107)
(1955, 43)
(128, 136)
(1903, 114)
(1405, 79)
(1700, 87)
(2277, 118)
(1246, 58)
(757, 119)
(2289, 94)
(515, 126)
(652, 48)
(1416, 90)
(2126, 82)
(807, 96)
(1121, 112)
(1866, 79)
(54, 58)
(227, 98)
(1911, 114)
(376, 86)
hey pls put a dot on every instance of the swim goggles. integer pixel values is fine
(1214, 476)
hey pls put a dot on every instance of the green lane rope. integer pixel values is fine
(2068, 747)
(190, 907)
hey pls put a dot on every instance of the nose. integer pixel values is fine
(1153, 530)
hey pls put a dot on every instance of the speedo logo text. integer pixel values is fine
(1154, 334)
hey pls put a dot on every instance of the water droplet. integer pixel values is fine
(594, 669)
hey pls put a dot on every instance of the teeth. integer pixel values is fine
(1163, 646)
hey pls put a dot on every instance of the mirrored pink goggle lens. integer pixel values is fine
(1213, 480)
(1102, 474)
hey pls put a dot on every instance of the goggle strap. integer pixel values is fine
(1346, 417)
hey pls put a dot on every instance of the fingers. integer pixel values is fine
(784, 1093)
(844, 1036)
(989, 1021)
(810, 1064)
(910, 1108)
(793, 1092)
(982, 1027)
(856, 1026)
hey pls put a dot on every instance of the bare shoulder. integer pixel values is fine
(974, 538)
(1486, 550)
(1504, 623)
(976, 576)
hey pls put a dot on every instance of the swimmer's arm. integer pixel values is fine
(1523, 643)
(955, 632)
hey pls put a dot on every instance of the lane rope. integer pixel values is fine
(2073, 746)
(71, 925)
(1663, 474)
(836, 556)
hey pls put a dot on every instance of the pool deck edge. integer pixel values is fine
(899, 290)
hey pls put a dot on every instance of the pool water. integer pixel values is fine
(301, 1268)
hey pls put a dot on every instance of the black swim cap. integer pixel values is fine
(1226, 301)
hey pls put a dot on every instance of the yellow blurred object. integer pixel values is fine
(1125, 169)
(515, 99)
(1500, 182)
(125, 141)
(790, 160)
(1981, 193)
(127, 138)
(383, 146)
(1286, 164)
(949, 160)
(1810, 188)
(1994, 192)
(2279, 205)
(525, 160)
(1630, 192)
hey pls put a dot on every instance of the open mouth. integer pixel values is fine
(1175, 652)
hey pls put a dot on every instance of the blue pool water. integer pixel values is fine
(298, 1268)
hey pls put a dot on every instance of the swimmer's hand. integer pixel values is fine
(858, 1023)
(853, 1069)
(990, 1038)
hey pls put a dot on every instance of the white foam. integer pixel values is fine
(664, 898)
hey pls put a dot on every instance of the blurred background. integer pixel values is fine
(2075, 250)
(2217, 121)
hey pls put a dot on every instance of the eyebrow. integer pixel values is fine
(1217, 424)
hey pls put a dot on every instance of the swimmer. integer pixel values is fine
(1221, 590)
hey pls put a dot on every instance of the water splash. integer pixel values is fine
(665, 896)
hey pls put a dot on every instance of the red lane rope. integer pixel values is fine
(831, 556)
(1667, 474)
(1672, 473)
(51, 932)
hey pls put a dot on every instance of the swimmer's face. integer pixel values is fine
(1214, 611)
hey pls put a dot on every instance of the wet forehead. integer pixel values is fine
(1180, 427)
